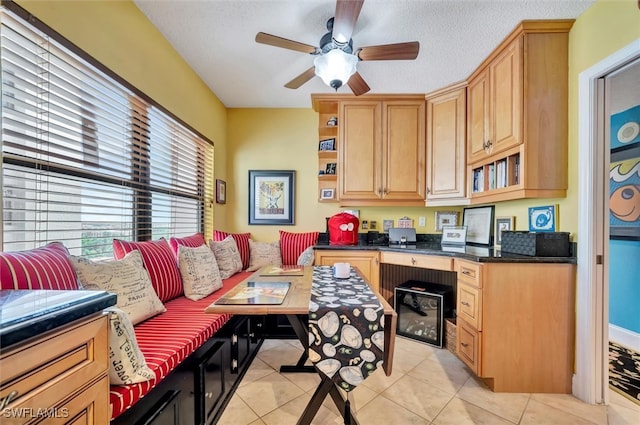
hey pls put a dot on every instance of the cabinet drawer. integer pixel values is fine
(468, 346)
(470, 304)
(50, 369)
(417, 260)
(469, 272)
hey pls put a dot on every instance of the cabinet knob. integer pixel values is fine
(379, 191)
(465, 303)
(428, 189)
(385, 191)
(464, 344)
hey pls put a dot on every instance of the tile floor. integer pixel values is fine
(428, 386)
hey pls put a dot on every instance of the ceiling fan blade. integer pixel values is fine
(357, 84)
(398, 51)
(347, 12)
(274, 40)
(302, 78)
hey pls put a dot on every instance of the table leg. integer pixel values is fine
(326, 386)
(300, 327)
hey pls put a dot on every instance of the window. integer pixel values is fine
(86, 159)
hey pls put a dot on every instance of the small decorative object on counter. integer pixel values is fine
(405, 222)
(333, 121)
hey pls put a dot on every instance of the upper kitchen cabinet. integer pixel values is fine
(446, 147)
(381, 156)
(517, 111)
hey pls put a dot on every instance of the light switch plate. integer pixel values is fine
(422, 221)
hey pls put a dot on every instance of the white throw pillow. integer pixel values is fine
(264, 254)
(307, 257)
(227, 256)
(199, 270)
(127, 278)
(127, 364)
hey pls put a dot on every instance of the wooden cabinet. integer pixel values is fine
(446, 146)
(328, 126)
(517, 112)
(366, 261)
(516, 324)
(59, 377)
(424, 261)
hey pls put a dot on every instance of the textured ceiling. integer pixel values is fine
(216, 38)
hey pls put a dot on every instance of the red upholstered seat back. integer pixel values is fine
(242, 241)
(292, 245)
(192, 241)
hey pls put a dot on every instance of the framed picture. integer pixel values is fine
(327, 145)
(386, 225)
(327, 193)
(502, 224)
(543, 219)
(479, 222)
(271, 197)
(446, 218)
(221, 191)
(454, 235)
(331, 168)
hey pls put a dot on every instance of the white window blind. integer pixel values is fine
(84, 158)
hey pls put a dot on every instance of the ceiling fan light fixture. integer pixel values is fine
(335, 67)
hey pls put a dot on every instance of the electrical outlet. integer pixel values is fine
(422, 221)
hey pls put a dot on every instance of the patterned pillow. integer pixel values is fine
(263, 254)
(199, 270)
(47, 267)
(127, 364)
(192, 241)
(242, 241)
(307, 258)
(227, 256)
(127, 278)
(159, 261)
(292, 245)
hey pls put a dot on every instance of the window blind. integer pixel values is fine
(86, 159)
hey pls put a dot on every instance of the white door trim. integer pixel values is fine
(590, 381)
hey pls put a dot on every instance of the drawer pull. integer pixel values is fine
(464, 344)
(464, 303)
(468, 273)
(413, 260)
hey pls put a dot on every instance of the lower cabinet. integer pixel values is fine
(516, 324)
(367, 262)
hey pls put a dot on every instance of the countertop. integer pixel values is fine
(28, 313)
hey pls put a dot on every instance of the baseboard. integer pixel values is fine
(624, 337)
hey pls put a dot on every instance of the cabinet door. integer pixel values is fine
(506, 98)
(360, 150)
(366, 261)
(478, 116)
(446, 149)
(404, 151)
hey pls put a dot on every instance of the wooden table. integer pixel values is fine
(296, 308)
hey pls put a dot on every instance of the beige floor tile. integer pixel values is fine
(619, 399)
(418, 397)
(289, 413)
(358, 399)
(440, 374)
(238, 413)
(417, 347)
(258, 422)
(268, 393)
(538, 413)
(460, 412)
(257, 370)
(382, 411)
(567, 403)
(507, 405)
(282, 354)
(306, 381)
(408, 356)
(379, 382)
(620, 415)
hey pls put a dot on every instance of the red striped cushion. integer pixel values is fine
(292, 245)
(47, 267)
(242, 240)
(192, 241)
(160, 263)
(166, 340)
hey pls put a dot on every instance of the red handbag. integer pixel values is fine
(343, 229)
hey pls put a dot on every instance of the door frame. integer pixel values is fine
(591, 377)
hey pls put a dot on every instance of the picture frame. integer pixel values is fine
(327, 193)
(543, 218)
(221, 191)
(327, 145)
(446, 218)
(454, 235)
(272, 197)
(331, 168)
(387, 224)
(479, 222)
(502, 224)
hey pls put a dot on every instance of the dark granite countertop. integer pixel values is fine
(28, 313)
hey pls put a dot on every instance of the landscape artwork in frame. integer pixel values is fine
(271, 197)
(543, 219)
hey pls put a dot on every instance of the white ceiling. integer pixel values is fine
(216, 38)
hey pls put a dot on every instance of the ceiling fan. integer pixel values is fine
(335, 59)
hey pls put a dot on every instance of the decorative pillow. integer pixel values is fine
(127, 364)
(307, 257)
(292, 245)
(199, 270)
(47, 267)
(242, 241)
(192, 241)
(127, 278)
(263, 254)
(159, 261)
(227, 256)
